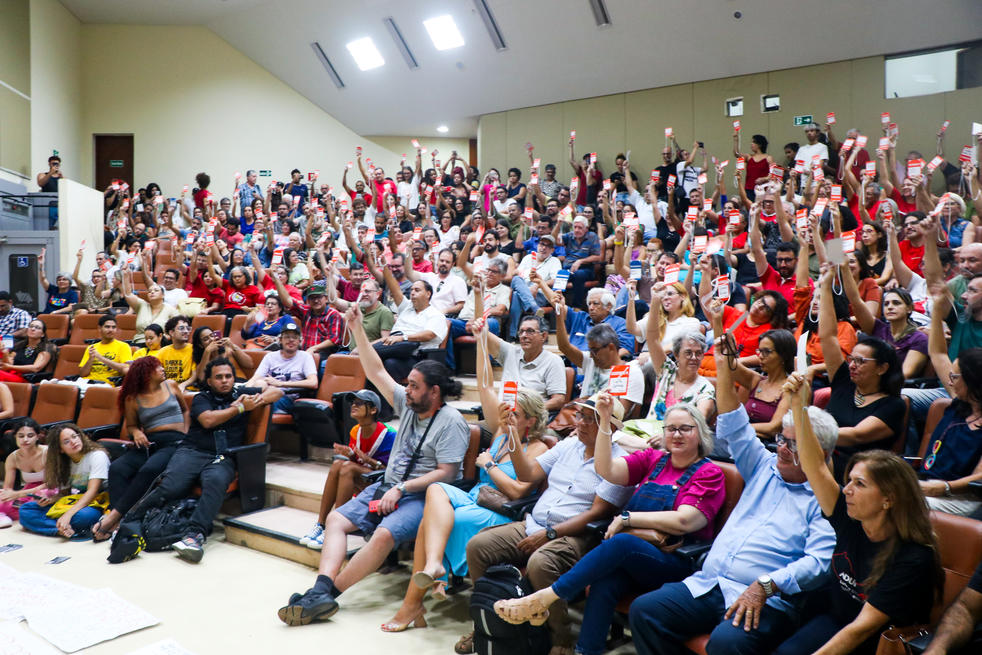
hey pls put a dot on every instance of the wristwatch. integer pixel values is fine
(551, 533)
(490, 465)
(401, 487)
(626, 518)
(766, 584)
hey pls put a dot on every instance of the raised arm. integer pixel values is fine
(827, 323)
(573, 354)
(370, 361)
(756, 242)
(810, 453)
(900, 269)
(611, 469)
(937, 348)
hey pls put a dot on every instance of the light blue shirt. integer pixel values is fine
(245, 194)
(776, 528)
(573, 483)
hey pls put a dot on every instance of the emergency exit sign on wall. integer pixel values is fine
(115, 163)
(265, 173)
(803, 120)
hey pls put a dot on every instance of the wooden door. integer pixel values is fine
(113, 159)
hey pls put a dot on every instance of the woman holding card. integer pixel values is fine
(451, 516)
(758, 162)
(678, 495)
(151, 310)
(865, 399)
(873, 249)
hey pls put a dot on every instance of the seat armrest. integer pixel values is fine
(516, 509)
(464, 484)
(598, 527)
(432, 354)
(104, 431)
(694, 552)
(975, 487)
(372, 476)
(250, 460)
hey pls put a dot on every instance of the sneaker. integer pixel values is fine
(317, 543)
(316, 532)
(5, 521)
(310, 607)
(190, 547)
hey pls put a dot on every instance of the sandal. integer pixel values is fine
(521, 610)
(465, 645)
(419, 621)
(423, 580)
(439, 591)
(97, 533)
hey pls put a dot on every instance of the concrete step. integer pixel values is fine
(277, 531)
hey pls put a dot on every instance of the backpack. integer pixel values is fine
(494, 636)
(163, 526)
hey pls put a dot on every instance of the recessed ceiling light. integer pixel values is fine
(443, 30)
(443, 129)
(365, 54)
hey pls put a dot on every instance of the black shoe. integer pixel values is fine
(190, 547)
(312, 606)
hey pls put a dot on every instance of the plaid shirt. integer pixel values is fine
(315, 329)
(15, 319)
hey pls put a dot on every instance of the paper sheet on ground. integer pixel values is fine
(23, 590)
(99, 616)
(164, 647)
(16, 639)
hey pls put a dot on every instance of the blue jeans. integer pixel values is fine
(663, 620)
(522, 302)
(34, 518)
(579, 280)
(457, 329)
(619, 565)
(284, 405)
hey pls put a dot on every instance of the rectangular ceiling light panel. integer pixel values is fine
(444, 33)
(365, 54)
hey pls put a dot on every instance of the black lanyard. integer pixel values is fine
(415, 456)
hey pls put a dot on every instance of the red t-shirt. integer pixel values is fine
(381, 188)
(860, 164)
(290, 289)
(912, 256)
(248, 296)
(425, 266)
(199, 198)
(367, 196)
(903, 205)
(581, 189)
(771, 280)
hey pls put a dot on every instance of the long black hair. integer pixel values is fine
(436, 374)
(970, 363)
(784, 345)
(893, 379)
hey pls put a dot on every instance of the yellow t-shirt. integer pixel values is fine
(177, 363)
(143, 352)
(115, 350)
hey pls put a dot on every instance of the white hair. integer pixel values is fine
(581, 219)
(823, 425)
(606, 297)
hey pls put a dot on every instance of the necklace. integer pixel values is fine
(858, 398)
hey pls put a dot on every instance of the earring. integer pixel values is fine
(886, 506)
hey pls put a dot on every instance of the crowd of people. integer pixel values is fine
(798, 317)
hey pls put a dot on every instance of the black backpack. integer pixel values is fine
(494, 636)
(163, 526)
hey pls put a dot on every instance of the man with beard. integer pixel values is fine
(430, 446)
(490, 244)
(449, 291)
(218, 423)
(376, 317)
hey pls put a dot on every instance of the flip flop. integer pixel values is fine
(97, 533)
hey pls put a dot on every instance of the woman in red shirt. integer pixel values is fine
(239, 291)
(758, 161)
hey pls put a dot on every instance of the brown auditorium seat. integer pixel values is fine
(99, 407)
(56, 325)
(55, 403)
(341, 373)
(85, 328)
(256, 356)
(214, 321)
(68, 360)
(22, 393)
(235, 330)
(126, 326)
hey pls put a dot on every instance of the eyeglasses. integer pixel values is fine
(691, 354)
(857, 360)
(764, 352)
(684, 430)
(595, 349)
(532, 331)
(583, 418)
(954, 377)
(790, 444)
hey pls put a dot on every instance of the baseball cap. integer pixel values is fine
(317, 289)
(290, 327)
(616, 410)
(368, 396)
(549, 238)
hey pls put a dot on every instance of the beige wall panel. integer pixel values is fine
(600, 128)
(492, 135)
(15, 44)
(15, 132)
(543, 128)
(814, 90)
(647, 114)
(962, 108)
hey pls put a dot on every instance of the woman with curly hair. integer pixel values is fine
(75, 465)
(157, 420)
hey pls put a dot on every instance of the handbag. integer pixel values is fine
(565, 420)
(375, 517)
(896, 641)
(493, 499)
(663, 541)
(65, 503)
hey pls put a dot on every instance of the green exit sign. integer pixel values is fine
(803, 120)
(265, 173)
(115, 163)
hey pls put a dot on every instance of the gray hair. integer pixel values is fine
(606, 297)
(687, 336)
(581, 219)
(603, 335)
(823, 425)
(706, 441)
(499, 266)
(541, 323)
(251, 171)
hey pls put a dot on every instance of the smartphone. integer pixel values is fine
(701, 145)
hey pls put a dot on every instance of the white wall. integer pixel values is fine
(194, 103)
(56, 87)
(79, 219)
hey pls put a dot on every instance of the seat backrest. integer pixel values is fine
(960, 546)
(56, 325)
(99, 407)
(473, 449)
(235, 329)
(85, 327)
(256, 356)
(214, 321)
(341, 373)
(126, 326)
(258, 426)
(54, 403)
(934, 414)
(570, 381)
(901, 439)
(23, 393)
(734, 488)
(68, 360)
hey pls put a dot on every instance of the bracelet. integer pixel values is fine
(618, 243)
(947, 489)
(241, 409)
(607, 432)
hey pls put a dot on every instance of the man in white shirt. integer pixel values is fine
(530, 364)
(495, 299)
(290, 369)
(172, 293)
(489, 243)
(449, 291)
(814, 147)
(418, 325)
(523, 301)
